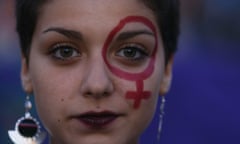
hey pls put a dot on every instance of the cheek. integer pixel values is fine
(142, 117)
(152, 84)
(52, 89)
(48, 99)
(146, 111)
(146, 91)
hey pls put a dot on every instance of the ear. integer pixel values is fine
(25, 76)
(167, 78)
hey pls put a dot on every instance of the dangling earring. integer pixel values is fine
(27, 128)
(161, 117)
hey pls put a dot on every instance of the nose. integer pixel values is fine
(97, 82)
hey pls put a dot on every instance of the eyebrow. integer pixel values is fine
(66, 32)
(130, 34)
(78, 36)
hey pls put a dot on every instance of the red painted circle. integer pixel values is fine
(123, 74)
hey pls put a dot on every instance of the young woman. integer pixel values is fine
(97, 68)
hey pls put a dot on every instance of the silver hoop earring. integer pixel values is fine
(162, 105)
(27, 128)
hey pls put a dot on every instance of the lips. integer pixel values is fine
(98, 119)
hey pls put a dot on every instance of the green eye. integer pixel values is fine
(65, 52)
(132, 52)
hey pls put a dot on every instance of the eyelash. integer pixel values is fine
(137, 49)
(55, 51)
(130, 52)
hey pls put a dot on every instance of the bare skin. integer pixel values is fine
(69, 77)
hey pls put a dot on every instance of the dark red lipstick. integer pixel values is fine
(98, 119)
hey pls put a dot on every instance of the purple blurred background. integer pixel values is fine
(203, 104)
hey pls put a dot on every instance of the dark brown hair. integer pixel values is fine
(166, 12)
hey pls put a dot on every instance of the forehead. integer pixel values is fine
(110, 4)
(100, 10)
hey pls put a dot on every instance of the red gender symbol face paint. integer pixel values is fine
(139, 77)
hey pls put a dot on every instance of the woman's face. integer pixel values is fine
(96, 69)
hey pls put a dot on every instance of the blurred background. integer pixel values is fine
(203, 104)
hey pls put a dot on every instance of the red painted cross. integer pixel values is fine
(138, 95)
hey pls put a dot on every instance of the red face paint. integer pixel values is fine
(139, 78)
(138, 95)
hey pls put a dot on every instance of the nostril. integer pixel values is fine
(88, 93)
(96, 94)
(106, 94)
